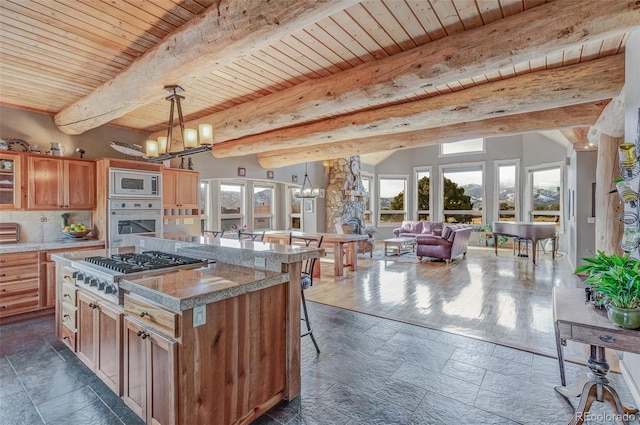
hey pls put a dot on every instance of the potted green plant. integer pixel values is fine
(370, 231)
(617, 280)
(487, 236)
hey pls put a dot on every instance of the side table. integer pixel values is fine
(576, 320)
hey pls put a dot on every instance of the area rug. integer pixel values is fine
(406, 257)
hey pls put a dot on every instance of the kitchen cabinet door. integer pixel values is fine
(11, 190)
(108, 361)
(45, 177)
(150, 369)
(79, 184)
(86, 338)
(181, 191)
(99, 338)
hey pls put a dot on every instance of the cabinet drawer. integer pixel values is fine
(609, 338)
(69, 294)
(19, 259)
(19, 303)
(67, 276)
(156, 317)
(10, 289)
(8, 274)
(69, 337)
(69, 314)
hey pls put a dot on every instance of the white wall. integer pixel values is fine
(39, 129)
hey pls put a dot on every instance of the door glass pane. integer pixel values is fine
(507, 188)
(546, 190)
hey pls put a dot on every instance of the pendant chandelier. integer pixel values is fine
(193, 141)
(307, 190)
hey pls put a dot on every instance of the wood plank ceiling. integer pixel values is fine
(54, 53)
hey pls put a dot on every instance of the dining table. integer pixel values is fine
(342, 243)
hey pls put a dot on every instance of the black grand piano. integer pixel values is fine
(525, 231)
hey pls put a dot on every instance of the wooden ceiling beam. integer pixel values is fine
(551, 27)
(570, 85)
(224, 33)
(551, 119)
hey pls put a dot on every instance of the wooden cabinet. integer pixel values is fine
(11, 190)
(48, 274)
(180, 192)
(56, 183)
(150, 381)
(100, 338)
(19, 283)
(68, 315)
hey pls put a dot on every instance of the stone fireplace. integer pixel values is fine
(344, 195)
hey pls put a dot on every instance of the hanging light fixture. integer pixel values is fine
(193, 141)
(307, 190)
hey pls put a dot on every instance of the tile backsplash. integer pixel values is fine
(43, 226)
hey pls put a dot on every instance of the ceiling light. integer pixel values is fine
(193, 141)
(307, 190)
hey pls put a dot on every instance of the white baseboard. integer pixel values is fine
(634, 387)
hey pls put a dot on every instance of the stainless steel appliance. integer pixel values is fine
(100, 275)
(139, 184)
(133, 216)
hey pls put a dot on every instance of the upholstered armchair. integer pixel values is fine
(352, 226)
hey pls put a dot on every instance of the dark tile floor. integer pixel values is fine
(370, 371)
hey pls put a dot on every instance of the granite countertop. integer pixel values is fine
(184, 289)
(46, 246)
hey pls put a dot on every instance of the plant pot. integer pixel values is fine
(628, 318)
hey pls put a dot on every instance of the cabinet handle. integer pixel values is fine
(67, 338)
(3, 274)
(92, 305)
(4, 290)
(143, 334)
(66, 295)
(65, 317)
(5, 307)
(607, 338)
(144, 313)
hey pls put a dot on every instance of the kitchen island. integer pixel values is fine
(219, 344)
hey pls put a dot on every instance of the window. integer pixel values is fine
(231, 205)
(393, 206)
(367, 180)
(545, 194)
(294, 210)
(506, 198)
(462, 193)
(262, 207)
(423, 193)
(462, 147)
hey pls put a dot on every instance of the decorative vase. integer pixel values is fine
(628, 318)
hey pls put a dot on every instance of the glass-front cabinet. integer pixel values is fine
(10, 181)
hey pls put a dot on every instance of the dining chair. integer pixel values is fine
(214, 233)
(306, 280)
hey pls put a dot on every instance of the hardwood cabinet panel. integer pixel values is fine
(56, 183)
(156, 317)
(134, 369)
(80, 184)
(19, 303)
(45, 176)
(99, 338)
(181, 192)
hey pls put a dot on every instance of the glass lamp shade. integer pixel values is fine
(152, 148)
(162, 144)
(190, 138)
(206, 134)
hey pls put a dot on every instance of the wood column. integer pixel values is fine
(608, 226)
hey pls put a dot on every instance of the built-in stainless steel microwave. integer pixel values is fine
(141, 184)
